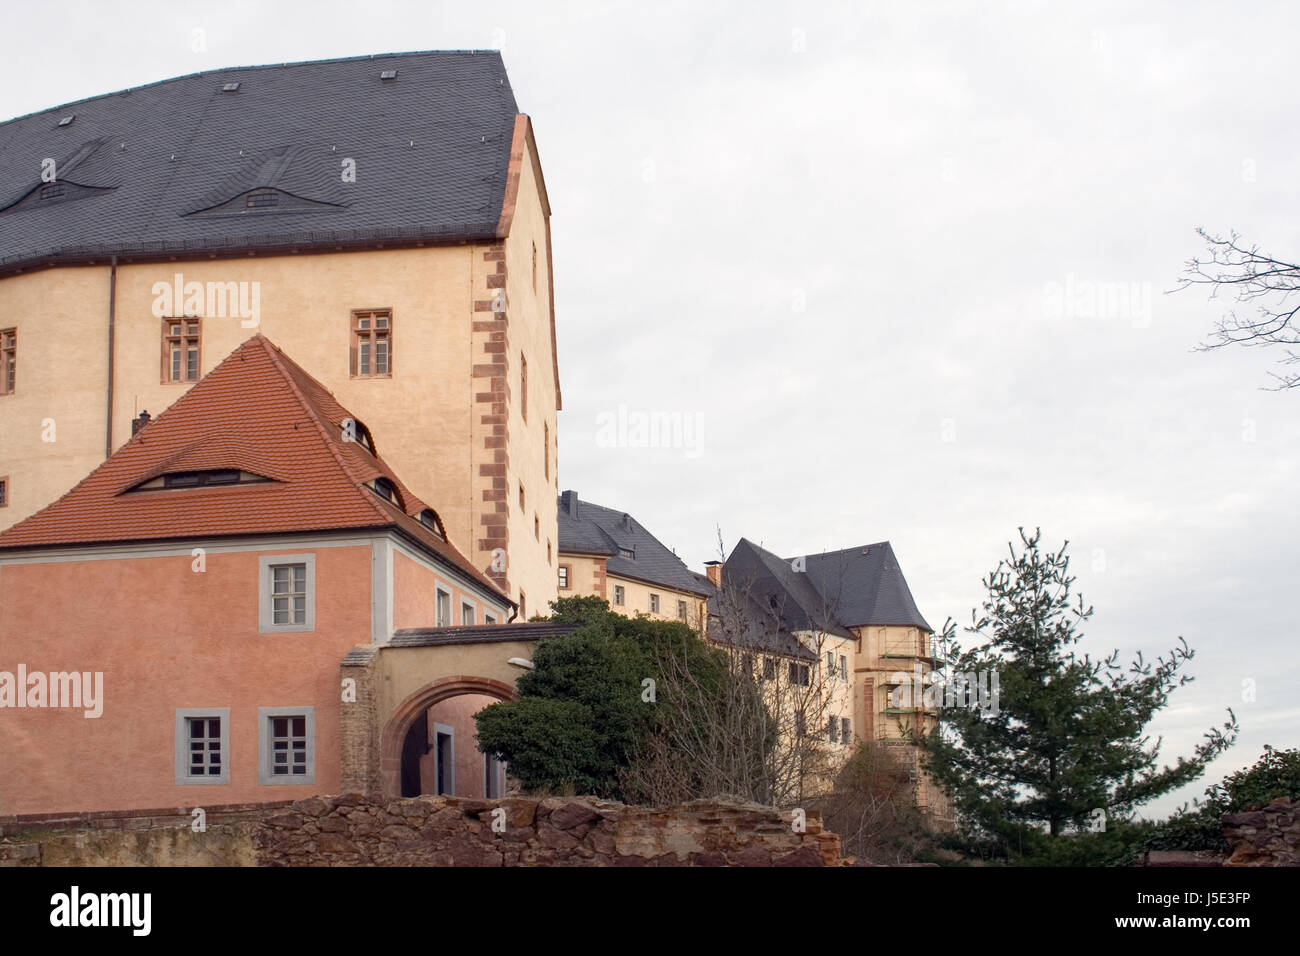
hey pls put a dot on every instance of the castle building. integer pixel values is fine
(854, 611)
(383, 219)
(236, 607)
(607, 553)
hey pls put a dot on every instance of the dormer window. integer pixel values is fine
(429, 519)
(386, 490)
(53, 191)
(627, 553)
(260, 198)
(211, 477)
(192, 479)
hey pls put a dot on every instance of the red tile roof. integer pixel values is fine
(258, 412)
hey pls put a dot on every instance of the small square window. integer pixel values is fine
(286, 746)
(288, 593)
(202, 746)
(489, 619)
(564, 577)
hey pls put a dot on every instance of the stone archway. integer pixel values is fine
(394, 733)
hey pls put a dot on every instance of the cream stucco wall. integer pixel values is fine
(425, 419)
(636, 600)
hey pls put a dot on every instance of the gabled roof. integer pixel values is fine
(831, 592)
(257, 412)
(171, 168)
(586, 528)
(865, 585)
(771, 582)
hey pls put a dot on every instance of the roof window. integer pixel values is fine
(386, 490)
(229, 87)
(429, 518)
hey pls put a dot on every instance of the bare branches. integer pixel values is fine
(1254, 278)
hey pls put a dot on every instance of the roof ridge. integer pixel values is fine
(248, 67)
(313, 413)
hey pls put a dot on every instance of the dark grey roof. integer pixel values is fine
(771, 582)
(865, 585)
(737, 619)
(585, 528)
(166, 168)
(480, 633)
(831, 592)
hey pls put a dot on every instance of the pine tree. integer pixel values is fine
(1064, 736)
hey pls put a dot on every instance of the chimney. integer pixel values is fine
(139, 422)
(627, 522)
(713, 571)
(569, 503)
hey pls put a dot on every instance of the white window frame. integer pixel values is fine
(265, 775)
(441, 592)
(620, 596)
(473, 612)
(182, 745)
(654, 603)
(265, 604)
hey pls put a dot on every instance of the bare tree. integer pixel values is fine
(1256, 279)
(754, 720)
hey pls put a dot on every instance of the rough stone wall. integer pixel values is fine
(159, 837)
(1267, 836)
(349, 830)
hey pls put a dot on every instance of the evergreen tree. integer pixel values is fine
(1064, 737)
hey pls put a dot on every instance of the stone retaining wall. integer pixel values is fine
(449, 831)
(354, 830)
(1268, 836)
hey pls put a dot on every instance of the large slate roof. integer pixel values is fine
(831, 592)
(865, 585)
(166, 169)
(586, 528)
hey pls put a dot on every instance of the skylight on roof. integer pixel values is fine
(229, 87)
(388, 75)
(67, 120)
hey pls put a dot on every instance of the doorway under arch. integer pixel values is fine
(410, 713)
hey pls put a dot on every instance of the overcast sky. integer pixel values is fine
(900, 270)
